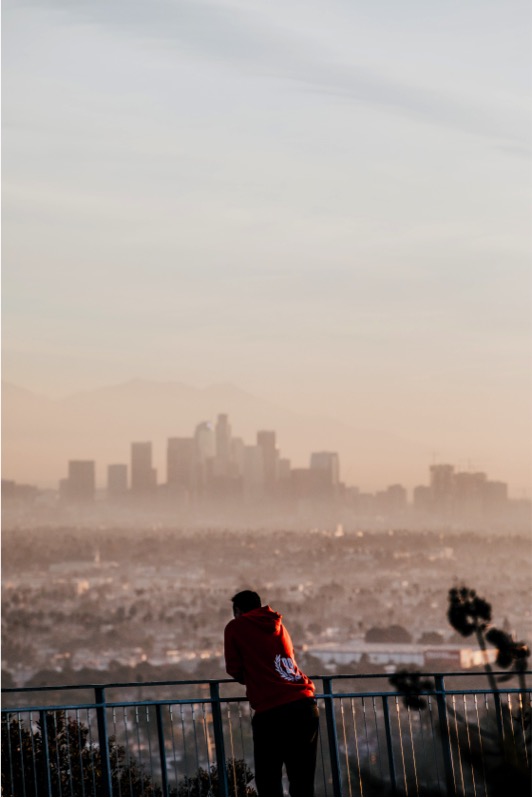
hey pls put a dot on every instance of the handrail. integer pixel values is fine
(376, 716)
(235, 699)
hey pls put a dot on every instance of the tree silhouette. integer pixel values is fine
(73, 764)
(504, 758)
(207, 782)
(65, 761)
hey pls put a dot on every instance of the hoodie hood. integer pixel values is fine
(263, 618)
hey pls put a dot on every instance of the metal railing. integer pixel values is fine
(194, 738)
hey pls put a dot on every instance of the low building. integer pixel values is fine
(402, 654)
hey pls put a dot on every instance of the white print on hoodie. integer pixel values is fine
(287, 669)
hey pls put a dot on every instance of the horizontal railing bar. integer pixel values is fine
(354, 676)
(505, 691)
(446, 674)
(237, 699)
(171, 702)
(109, 685)
(123, 704)
(49, 708)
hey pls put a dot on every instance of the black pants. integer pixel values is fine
(286, 735)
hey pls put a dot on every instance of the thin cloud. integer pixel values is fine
(246, 42)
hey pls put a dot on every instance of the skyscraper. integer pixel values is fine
(253, 471)
(283, 469)
(468, 494)
(143, 475)
(237, 456)
(223, 446)
(494, 498)
(205, 453)
(205, 445)
(270, 456)
(328, 464)
(392, 500)
(442, 487)
(181, 463)
(80, 486)
(223, 438)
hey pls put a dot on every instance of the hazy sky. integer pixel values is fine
(325, 202)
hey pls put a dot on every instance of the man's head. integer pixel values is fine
(245, 601)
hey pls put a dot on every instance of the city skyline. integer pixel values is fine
(212, 462)
(363, 459)
(329, 209)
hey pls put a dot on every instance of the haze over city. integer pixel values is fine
(324, 205)
(267, 338)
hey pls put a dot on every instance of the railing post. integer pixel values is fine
(444, 734)
(45, 752)
(498, 718)
(389, 743)
(10, 751)
(103, 738)
(332, 735)
(223, 783)
(162, 752)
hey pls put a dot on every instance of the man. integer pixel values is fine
(259, 654)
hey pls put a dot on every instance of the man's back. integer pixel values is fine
(259, 654)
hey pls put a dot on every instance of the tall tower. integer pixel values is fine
(223, 444)
(270, 456)
(205, 448)
(80, 486)
(181, 463)
(204, 438)
(442, 487)
(468, 493)
(143, 475)
(327, 464)
(253, 471)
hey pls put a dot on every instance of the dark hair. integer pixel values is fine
(246, 601)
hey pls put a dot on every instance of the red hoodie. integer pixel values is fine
(259, 654)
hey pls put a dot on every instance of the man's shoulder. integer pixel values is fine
(231, 626)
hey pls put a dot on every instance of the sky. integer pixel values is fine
(325, 203)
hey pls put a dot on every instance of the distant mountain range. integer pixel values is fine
(40, 435)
